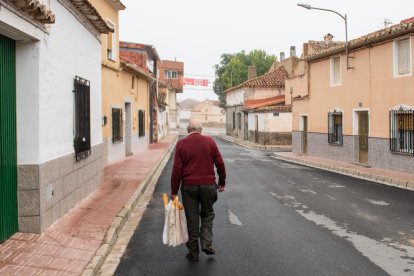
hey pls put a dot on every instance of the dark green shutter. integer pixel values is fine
(8, 152)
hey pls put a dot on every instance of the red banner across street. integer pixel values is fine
(195, 82)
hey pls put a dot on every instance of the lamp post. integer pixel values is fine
(309, 7)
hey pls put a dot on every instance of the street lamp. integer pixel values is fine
(309, 7)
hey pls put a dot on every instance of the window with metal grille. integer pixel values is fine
(239, 120)
(82, 140)
(141, 123)
(169, 74)
(401, 131)
(402, 58)
(234, 120)
(336, 71)
(335, 136)
(116, 125)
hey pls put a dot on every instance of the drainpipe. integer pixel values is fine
(151, 105)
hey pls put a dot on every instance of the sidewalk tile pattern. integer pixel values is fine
(70, 243)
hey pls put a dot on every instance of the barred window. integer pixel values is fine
(402, 56)
(82, 140)
(335, 128)
(116, 125)
(401, 131)
(336, 70)
(141, 123)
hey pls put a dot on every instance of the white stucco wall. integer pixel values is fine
(270, 123)
(27, 102)
(263, 93)
(235, 97)
(69, 50)
(185, 114)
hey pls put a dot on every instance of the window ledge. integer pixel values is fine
(402, 153)
(397, 76)
(336, 144)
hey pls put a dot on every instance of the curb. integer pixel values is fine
(258, 147)
(118, 222)
(394, 182)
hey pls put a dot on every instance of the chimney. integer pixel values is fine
(292, 51)
(282, 56)
(251, 73)
(328, 38)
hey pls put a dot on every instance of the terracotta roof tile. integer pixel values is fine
(324, 45)
(270, 108)
(273, 79)
(405, 27)
(251, 104)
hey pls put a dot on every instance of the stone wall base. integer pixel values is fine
(48, 191)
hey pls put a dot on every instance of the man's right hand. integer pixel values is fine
(221, 188)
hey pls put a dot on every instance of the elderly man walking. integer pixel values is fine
(194, 161)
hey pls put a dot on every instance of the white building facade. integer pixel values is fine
(58, 108)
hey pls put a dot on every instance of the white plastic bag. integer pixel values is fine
(175, 224)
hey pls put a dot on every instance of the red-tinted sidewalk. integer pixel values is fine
(70, 244)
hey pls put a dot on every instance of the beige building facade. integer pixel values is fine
(362, 114)
(208, 111)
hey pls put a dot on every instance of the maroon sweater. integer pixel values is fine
(194, 160)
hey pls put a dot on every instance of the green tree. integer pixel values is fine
(232, 70)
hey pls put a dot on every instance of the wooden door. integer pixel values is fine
(363, 130)
(305, 134)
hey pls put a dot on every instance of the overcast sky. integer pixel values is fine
(198, 32)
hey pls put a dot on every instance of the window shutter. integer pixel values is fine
(337, 70)
(403, 56)
(109, 41)
(114, 45)
(82, 141)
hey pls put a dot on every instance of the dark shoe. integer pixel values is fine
(208, 250)
(192, 257)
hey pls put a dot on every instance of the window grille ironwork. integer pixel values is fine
(117, 125)
(335, 136)
(82, 140)
(141, 123)
(401, 131)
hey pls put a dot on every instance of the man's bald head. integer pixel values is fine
(194, 126)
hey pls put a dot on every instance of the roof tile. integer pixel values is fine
(250, 104)
(273, 79)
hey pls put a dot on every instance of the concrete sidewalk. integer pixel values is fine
(79, 241)
(388, 177)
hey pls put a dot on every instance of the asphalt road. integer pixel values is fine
(277, 218)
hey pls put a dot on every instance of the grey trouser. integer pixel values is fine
(198, 202)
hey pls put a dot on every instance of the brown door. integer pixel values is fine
(256, 131)
(363, 130)
(305, 135)
(246, 126)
